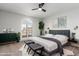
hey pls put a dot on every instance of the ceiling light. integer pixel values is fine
(40, 9)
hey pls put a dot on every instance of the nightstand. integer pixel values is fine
(73, 38)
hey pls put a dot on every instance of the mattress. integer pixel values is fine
(48, 45)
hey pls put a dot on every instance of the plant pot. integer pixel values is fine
(41, 33)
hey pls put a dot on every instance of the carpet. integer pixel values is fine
(67, 52)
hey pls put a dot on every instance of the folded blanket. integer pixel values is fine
(60, 48)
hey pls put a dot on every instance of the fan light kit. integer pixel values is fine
(40, 7)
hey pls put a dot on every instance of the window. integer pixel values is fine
(27, 28)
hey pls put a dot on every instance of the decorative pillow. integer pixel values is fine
(48, 35)
(61, 36)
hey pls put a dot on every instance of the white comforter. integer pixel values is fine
(49, 45)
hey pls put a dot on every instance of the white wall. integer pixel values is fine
(72, 19)
(14, 21)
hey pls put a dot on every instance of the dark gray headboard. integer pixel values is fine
(62, 32)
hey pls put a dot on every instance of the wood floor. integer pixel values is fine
(73, 47)
(10, 49)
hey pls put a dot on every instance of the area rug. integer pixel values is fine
(74, 49)
(67, 52)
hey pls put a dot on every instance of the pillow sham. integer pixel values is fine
(61, 36)
(48, 35)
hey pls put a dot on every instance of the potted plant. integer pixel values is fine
(18, 36)
(41, 27)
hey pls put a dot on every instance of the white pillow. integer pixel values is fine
(48, 35)
(61, 36)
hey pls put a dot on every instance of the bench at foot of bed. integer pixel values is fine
(37, 48)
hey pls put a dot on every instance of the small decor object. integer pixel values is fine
(75, 28)
(41, 27)
(4, 30)
(45, 32)
(73, 38)
(48, 30)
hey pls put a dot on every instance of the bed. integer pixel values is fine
(51, 47)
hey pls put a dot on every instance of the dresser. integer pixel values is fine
(8, 37)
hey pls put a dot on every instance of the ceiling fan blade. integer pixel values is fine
(35, 9)
(41, 5)
(43, 10)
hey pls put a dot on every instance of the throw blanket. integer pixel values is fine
(60, 48)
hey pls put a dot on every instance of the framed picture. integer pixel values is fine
(62, 22)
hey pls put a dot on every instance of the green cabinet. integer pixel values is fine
(7, 37)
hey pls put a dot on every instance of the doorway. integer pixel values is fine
(26, 28)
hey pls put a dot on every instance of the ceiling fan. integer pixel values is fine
(40, 7)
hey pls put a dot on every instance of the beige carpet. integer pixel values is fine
(66, 52)
(17, 49)
(11, 49)
(74, 49)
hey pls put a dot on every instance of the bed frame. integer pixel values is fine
(62, 32)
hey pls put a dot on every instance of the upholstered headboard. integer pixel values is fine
(62, 32)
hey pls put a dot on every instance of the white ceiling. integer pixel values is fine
(26, 8)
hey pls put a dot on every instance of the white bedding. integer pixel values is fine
(62, 38)
(49, 45)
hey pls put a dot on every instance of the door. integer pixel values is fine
(26, 29)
